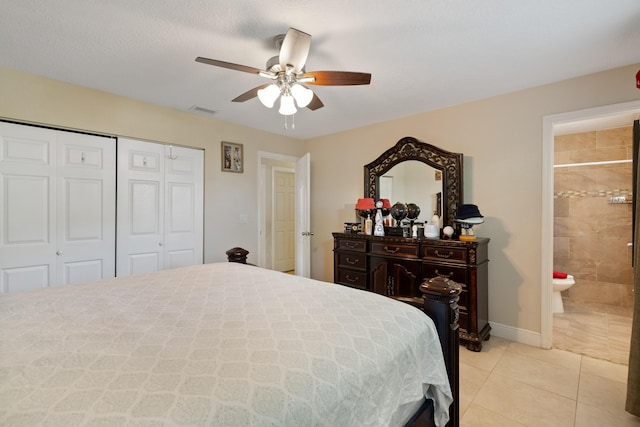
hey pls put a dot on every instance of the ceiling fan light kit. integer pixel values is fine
(302, 95)
(287, 72)
(268, 95)
(287, 107)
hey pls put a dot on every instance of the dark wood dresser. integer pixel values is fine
(396, 266)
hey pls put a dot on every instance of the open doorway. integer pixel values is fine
(283, 212)
(617, 115)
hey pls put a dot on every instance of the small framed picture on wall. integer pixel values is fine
(232, 157)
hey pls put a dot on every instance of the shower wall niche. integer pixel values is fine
(592, 215)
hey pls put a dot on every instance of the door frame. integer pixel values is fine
(548, 126)
(262, 224)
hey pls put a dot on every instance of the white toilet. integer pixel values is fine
(560, 285)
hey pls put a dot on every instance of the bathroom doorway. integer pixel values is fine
(592, 239)
(599, 330)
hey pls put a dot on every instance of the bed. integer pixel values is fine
(221, 344)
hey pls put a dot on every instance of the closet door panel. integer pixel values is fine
(184, 206)
(180, 258)
(144, 236)
(26, 278)
(160, 207)
(140, 207)
(86, 208)
(27, 217)
(83, 210)
(179, 230)
(144, 263)
(82, 271)
(26, 207)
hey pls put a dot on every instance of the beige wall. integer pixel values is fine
(35, 99)
(501, 139)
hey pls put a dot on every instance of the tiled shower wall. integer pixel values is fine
(591, 234)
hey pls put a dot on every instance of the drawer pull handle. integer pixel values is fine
(352, 261)
(444, 275)
(349, 279)
(391, 251)
(351, 245)
(438, 254)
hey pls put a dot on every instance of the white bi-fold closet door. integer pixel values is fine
(57, 212)
(160, 207)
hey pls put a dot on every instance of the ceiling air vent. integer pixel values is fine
(202, 110)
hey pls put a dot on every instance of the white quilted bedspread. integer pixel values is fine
(221, 344)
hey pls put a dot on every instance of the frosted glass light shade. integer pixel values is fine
(302, 95)
(287, 106)
(268, 95)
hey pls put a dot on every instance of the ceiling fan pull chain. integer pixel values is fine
(293, 121)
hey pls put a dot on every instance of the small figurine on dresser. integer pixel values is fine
(378, 229)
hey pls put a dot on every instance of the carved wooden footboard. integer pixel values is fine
(439, 301)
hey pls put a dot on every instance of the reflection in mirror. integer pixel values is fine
(414, 182)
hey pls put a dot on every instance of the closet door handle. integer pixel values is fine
(159, 243)
(59, 252)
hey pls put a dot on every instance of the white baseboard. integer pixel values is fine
(521, 336)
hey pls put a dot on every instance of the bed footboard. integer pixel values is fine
(440, 303)
(441, 297)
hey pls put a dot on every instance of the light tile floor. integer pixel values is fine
(598, 330)
(512, 384)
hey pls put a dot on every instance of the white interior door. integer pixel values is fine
(57, 217)
(183, 230)
(27, 217)
(284, 194)
(86, 212)
(140, 198)
(160, 207)
(303, 217)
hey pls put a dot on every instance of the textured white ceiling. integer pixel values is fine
(422, 54)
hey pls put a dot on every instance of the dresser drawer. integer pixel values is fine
(352, 245)
(355, 279)
(444, 253)
(397, 249)
(457, 274)
(355, 260)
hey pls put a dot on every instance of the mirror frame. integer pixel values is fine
(409, 148)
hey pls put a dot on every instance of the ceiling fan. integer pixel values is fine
(287, 73)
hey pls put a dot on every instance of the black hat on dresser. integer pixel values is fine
(468, 211)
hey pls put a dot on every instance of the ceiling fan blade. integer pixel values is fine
(228, 65)
(295, 49)
(251, 93)
(338, 78)
(315, 103)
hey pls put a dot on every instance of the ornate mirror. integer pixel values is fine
(445, 165)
